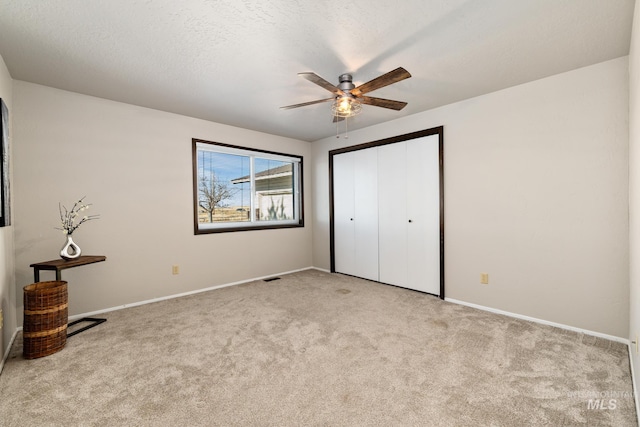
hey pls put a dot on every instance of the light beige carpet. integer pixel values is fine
(319, 349)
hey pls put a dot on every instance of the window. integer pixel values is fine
(238, 188)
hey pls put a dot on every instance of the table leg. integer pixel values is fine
(36, 275)
(93, 322)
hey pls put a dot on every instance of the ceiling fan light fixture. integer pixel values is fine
(346, 106)
(347, 99)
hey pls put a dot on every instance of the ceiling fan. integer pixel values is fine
(347, 98)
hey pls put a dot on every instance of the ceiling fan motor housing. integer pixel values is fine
(346, 82)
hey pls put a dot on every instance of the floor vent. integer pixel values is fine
(271, 279)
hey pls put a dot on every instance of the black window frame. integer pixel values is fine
(254, 225)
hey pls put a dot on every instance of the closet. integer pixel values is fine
(386, 211)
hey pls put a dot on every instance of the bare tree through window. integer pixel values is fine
(213, 193)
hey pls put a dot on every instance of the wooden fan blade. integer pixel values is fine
(304, 104)
(381, 102)
(382, 81)
(314, 78)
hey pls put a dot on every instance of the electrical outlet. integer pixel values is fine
(175, 269)
(484, 278)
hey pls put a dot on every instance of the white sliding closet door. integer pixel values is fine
(423, 213)
(392, 211)
(355, 178)
(343, 213)
(409, 214)
(366, 213)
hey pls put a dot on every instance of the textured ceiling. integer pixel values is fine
(236, 62)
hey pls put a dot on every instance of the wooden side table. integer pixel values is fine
(58, 265)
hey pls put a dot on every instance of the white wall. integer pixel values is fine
(634, 190)
(7, 277)
(536, 194)
(134, 164)
(535, 189)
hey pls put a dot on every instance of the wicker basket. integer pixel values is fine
(45, 318)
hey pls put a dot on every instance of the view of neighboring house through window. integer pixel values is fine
(237, 188)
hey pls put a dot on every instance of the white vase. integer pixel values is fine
(70, 250)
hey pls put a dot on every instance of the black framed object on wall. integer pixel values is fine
(5, 196)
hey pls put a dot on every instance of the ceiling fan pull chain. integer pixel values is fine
(346, 128)
(337, 129)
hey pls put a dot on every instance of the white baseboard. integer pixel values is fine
(149, 301)
(543, 322)
(184, 294)
(8, 349)
(633, 383)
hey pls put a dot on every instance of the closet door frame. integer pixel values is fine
(392, 140)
